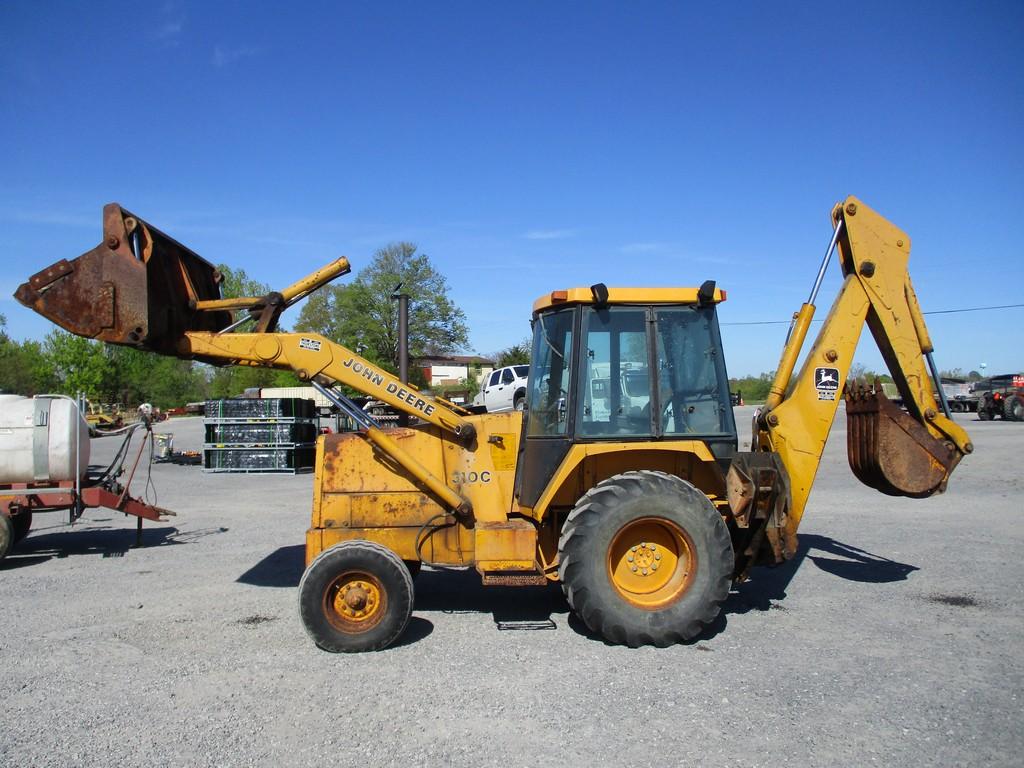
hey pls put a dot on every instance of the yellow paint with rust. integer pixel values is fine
(360, 492)
(506, 546)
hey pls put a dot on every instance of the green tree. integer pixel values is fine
(140, 377)
(77, 364)
(517, 354)
(753, 388)
(231, 381)
(237, 283)
(363, 316)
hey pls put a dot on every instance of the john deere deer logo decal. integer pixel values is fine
(826, 381)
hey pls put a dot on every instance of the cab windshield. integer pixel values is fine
(650, 371)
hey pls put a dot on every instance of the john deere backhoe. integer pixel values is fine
(622, 479)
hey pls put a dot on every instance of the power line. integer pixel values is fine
(933, 312)
(970, 309)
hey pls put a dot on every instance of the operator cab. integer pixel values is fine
(624, 365)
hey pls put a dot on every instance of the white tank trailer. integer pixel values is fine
(42, 440)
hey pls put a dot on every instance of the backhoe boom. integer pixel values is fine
(905, 454)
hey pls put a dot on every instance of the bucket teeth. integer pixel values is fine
(891, 451)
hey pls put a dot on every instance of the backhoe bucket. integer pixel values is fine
(138, 287)
(891, 451)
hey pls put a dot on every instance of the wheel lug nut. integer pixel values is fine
(645, 572)
(658, 556)
(630, 558)
(653, 547)
(632, 549)
(654, 567)
(634, 569)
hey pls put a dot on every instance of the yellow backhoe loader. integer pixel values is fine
(621, 480)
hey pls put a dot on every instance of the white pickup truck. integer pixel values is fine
(504, 389)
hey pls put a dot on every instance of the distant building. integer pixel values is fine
(446, 370)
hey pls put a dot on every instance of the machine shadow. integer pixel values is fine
(768, 585)
(512, 608)
(281, 568)
(109, 542)
(532, 608)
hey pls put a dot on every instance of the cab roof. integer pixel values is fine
(628, 296)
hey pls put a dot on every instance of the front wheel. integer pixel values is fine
(356, 596)
(645, 559)
(984, 414)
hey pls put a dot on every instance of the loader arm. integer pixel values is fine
(899, 453)
(310, 355)
(141, 288)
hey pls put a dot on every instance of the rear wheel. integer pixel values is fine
(645, 559)
(1013, 408)
(520, 401)
(356, 596)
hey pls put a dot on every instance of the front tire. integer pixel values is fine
(645, 559)
(984, 414)
(356, 596)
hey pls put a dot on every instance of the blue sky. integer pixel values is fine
(532, 146)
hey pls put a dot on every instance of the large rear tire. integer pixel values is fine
(645, 559)
(1013, 408)
(356, 596)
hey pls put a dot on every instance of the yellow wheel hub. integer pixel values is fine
(651, 562)
(355, 602)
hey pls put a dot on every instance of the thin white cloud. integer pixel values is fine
(549, 234)
(224, 55)
(168, 29)
(54, 217)
(673, 252)
(643, 247)
(171, 24)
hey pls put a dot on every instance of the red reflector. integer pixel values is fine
(723, 294)
(559, 296)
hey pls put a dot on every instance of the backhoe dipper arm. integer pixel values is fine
(309, 355)
(905, 454)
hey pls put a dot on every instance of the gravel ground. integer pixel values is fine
(895, 639)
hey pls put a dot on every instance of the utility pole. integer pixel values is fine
(403, 341)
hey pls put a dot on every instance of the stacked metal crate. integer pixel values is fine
(260, 435)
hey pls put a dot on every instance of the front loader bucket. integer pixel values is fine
(891, 451)
(138, 287)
